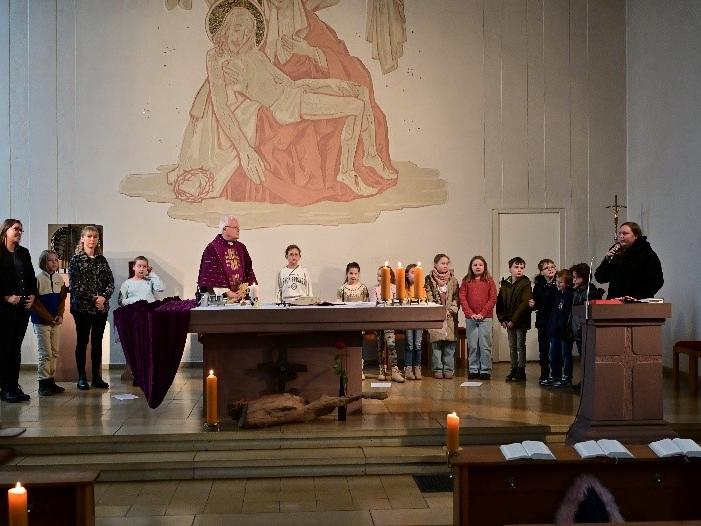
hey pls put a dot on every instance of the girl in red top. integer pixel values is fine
(478, 295)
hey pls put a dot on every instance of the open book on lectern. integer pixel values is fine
(528, 449)
(602, 448)
(676, 446)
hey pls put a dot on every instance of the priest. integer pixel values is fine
(226, 263)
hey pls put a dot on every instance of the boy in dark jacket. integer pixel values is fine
(544, 290)
(514, 314)
(583, 290)
(560, 332)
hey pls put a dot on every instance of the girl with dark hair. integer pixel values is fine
(293, 280)
(17, 291)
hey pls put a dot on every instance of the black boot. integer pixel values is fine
(45, 388)
(521, 374)
(83, 383)
(513, 375)
(99, 383)
(57, 389)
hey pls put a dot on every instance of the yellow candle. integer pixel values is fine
(17, 505)
(453, 432)
(212, 416)
(419, 290)
(386, 283)
(401, 284)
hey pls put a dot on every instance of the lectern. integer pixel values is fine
(622, 373)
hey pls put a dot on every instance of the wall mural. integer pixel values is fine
(285, 128)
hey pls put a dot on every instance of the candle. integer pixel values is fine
(401, 284)
(254, 292)
(17, 505)
(452, 427)
(385, 283)
(212, 416)
(419, 290)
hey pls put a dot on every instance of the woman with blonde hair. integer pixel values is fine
(91, 285)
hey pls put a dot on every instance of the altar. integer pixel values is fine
(269, 348)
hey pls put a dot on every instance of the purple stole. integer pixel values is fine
(225, 264)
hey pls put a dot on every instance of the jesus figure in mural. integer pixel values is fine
(242, 78)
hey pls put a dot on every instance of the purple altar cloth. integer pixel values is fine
(153, 338)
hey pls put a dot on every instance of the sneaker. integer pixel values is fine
(381, 375)
(563, 382)
(448, 375)
(417, 372)
(409, 373)
(473, 376)
(45, 388)
(513, 375)
(485, 376)
(438, 374)
(547, 382)
(396, 376)
(362, 369)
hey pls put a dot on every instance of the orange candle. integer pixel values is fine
(419, 290)
(385, 283)
(17, 505)
(212, 416)
(452, 426)
(401, 284)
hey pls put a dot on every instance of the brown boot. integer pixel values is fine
(396, 376)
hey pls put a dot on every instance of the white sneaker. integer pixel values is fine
(417, 372)
(396, 375)
(409, 373)
(381, 375)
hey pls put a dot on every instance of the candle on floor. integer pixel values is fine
(419, 290)
(385, 283)
(212, 416)
(452, 432)
(17, 505)
(401, 284)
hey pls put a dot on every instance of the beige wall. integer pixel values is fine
(518, 104)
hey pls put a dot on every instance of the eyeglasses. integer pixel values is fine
(234, 227)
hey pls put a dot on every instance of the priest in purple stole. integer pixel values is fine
(225, 262)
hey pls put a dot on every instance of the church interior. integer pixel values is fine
(370, 132)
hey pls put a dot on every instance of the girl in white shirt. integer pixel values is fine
(293, 281)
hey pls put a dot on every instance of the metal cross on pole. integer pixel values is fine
(616, 209)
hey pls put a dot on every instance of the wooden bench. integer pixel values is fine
(56, 498)
(693, 350)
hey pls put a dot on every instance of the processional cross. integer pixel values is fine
(616, 209)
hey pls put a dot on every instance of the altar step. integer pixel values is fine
(254, 454)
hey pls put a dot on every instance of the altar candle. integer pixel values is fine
(385, 283)
(17, 505)
(401, 284)
(453, 432)
(419, 291)
(212, 417)
(254, 292)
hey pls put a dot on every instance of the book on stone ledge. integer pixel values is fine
(602, 448)
(528, 449)
(676, 446)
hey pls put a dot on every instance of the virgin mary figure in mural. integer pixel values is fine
(256, 134)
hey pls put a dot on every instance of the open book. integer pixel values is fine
(676, 446)
(531, 449)
(602, 448)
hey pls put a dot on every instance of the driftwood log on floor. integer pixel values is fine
(285, 408)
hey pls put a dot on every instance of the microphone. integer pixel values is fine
(614, 249)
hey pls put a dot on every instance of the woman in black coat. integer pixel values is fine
(17, 290)
(631, 267)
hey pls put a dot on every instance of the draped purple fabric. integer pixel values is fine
(153, 338)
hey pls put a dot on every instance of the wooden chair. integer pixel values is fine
(693, 350)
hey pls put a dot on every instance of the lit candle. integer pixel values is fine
(254, 292)
(17, 505)
(419, 290)
(401, 285)
(212, 416)
(386, 283)
(453, 432)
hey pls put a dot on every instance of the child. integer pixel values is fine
(386, 342)
(583, 291)
(413, 338)
(353, 290)
(515, 315)
(442, 288)
(543, 293)
(47, 317)
(559, 330)
(293, 281)
(478, 295)
(142, 286)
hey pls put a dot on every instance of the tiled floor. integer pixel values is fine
(368, 500)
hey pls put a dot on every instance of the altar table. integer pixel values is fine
(262, 350)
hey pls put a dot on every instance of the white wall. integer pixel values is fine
(664, 149)
(517, 104)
